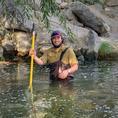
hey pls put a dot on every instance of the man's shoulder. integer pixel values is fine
(69, 48)
(49, 49)
(65, 47)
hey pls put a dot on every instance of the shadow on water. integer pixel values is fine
(92, 93)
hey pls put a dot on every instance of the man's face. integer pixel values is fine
(57, 40)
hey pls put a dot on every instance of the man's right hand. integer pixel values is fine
(32, 52)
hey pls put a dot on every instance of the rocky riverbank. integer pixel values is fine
(94, 33)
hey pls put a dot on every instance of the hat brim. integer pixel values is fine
(55, 36)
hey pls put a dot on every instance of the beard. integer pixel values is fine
(57, 46)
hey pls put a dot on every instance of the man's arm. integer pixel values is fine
(36, 59)
(72, 69)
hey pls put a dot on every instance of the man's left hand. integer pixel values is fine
(63, 74)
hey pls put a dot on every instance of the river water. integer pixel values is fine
(92, 94)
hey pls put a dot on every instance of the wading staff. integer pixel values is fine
(32, 60)
(31, 70)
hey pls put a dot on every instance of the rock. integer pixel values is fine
(89, 51)
(111, 3)
(17, 44)
(88, 18)
(63, 5)
(15, 26)
(1, 52)
(8, 44)
(23, 42)
(71, 17)
(93, 41)
(9, 51)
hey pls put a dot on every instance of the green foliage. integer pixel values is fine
(16, 9)
(48, 8)
(2, 59)
(105, 48)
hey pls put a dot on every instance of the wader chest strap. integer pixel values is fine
(63, 52)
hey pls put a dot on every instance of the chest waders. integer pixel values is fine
(54, 68)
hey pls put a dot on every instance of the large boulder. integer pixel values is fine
(9, 51)
(22, 42)
(89, 51)
(88, 18)
(93, 45)
(17, 26)
(16, 44)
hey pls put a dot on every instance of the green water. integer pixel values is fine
(92, 94)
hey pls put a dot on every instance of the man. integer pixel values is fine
(60, 59)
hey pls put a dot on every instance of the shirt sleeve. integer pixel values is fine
(72, 57)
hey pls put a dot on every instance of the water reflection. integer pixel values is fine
(92, 94)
